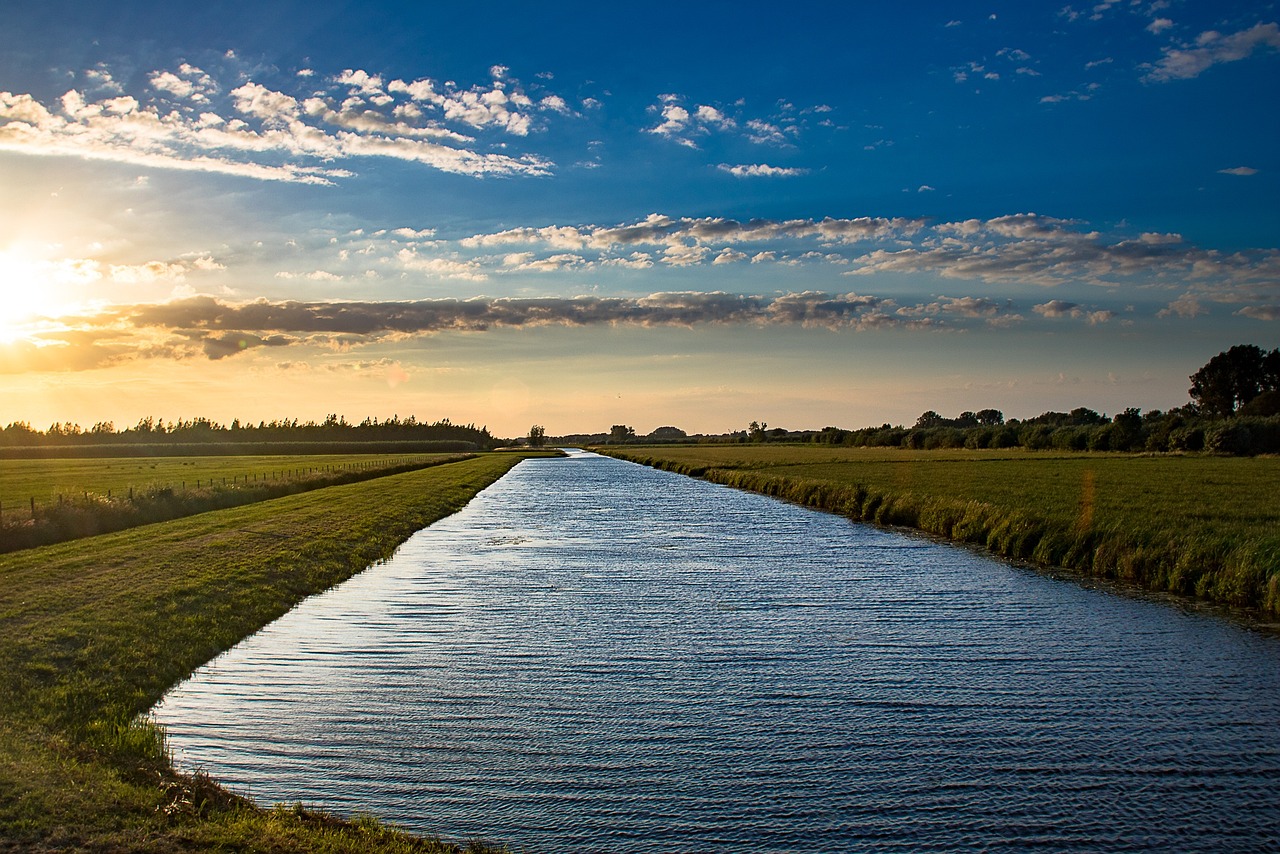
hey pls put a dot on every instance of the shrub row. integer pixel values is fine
(1243, 436)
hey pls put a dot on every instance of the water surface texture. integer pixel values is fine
(596, 656)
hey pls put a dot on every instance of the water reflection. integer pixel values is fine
(595, 656)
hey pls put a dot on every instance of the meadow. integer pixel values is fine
(1195, 525)
(45, 501)
(94, 631)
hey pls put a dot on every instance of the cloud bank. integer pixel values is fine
(209, 328)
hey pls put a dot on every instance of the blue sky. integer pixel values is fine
(707, 214)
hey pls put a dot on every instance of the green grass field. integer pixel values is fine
(1202, 526)
(94, 631)
(45, 480)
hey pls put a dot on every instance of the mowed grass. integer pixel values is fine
(1195, 525)
(94, 631)
(46, 479)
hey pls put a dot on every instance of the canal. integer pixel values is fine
(597, 656)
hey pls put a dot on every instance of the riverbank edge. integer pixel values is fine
(1239, 578)
(81, 767)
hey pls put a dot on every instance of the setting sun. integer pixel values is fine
(30, 294)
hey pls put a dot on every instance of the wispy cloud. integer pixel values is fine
(1015, 249)
(1212, 48)
(688, 123)
(1243, 171)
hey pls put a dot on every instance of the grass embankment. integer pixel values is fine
(45, 501)
(93, 632)
(1200, 526)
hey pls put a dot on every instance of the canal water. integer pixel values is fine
(597, 656)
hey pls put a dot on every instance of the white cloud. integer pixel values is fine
(729, 256)
(685, 124)
(1058, 308)
(447, 268)
(414, 234)
(1159, 25)
(360, 81)
(313, 133)
(1239, 170)
(1213, 48)
(675, 119)
(1261, 312)
(257, 100)
(1186, 305)
(712, 116)
(764, 133)
(679, 255)
(757, 170)
(556, 104)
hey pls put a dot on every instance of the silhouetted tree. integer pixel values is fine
(930, 419)
(537, 436)
(1233, 378)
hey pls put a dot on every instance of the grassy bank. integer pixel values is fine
(49, 501)
(93, 632)
(1201, 526)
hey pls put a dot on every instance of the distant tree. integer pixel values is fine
(1084, 417)
(990, 417)
(537, 436)
(756, 431)
(930, 419)
(1233, 378)
(620, 433)
(668, 433)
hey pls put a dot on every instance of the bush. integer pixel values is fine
(1228, 437)
(1187, 439)
(1069, 439)
(1037, 437)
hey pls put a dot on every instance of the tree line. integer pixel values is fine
(333, 429)
(1234, 409)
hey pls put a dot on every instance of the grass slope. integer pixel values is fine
(93, 632)
(1200, 526)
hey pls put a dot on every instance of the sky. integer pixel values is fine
(574, 215)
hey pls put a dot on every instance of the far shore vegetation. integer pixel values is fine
(94, 631)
